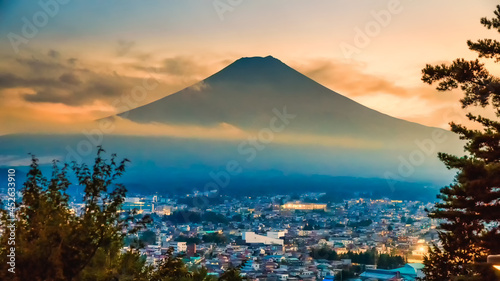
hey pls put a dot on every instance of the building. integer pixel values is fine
(409, 272)
(297, 205)
(191, 250)
(253, 238)
(276, 234)
(163, 210)
(379, 274)
(179, 247)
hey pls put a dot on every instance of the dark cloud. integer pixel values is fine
(95, 88)
(9, 80)
(70, 78)
(53, 54)
(72, 61)
(39, 66)
(53, 80)
(48, 95)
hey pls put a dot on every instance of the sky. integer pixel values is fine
(68, 62)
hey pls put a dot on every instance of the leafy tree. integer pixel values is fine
(214, 217)
(214, 238)
(181, 217)
(202, 275)
(237, 218)
(188, 240)
(470, 205)
(170, 269)
(368, 257)
(55, 243)
(363, 223)
(324, 252)
(231, 274)
(148, 237)
(386, 261)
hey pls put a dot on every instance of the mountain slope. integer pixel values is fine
(332, 143)
(245, 93)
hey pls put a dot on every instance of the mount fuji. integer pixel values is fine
(298, 135)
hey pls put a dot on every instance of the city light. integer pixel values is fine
(495, 261)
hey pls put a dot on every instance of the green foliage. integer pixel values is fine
(368, 257)
(324, 252)
(188, 240)
(148, 237)
(54, 243)
(231, 274)
(386, 261)
(214, 218)
(237, 218)
(214, 238)
(363, 223)
(182, 217)
(469, 206)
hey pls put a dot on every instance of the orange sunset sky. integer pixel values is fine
(79, 60)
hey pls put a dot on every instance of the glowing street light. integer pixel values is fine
(495, 261)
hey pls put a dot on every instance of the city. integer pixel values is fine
(284, 238)
(233, 140)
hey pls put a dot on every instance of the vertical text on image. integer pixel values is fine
(11, 227)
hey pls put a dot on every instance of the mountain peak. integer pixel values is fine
(254, 69)
(257, 58)
(252, 62)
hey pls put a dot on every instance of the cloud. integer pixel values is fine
(54, 79)
(199, 86)
(16, 161)
(181, 66)
(69, 78)
(348, 77)
(419, 103)
(124, 47)
(44, 91)
(225, 131)
(9, 80)
(54, 54)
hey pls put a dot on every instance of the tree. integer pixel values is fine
(324, 252)
(148, 237)
(214, 238)
(470, 206)
(55, 243)
(386, 261)
(170, 269)
(231, 274)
